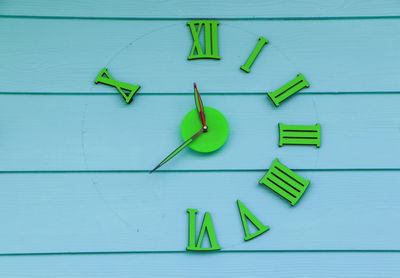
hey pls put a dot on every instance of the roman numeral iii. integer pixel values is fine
(288, 89)
(300, 135)
(285, 182)
(120, 86)
(206, 226)
(210, 28)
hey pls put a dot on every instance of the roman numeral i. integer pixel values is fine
(285, 182)
(210, 39)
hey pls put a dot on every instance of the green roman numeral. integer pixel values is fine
(299, 135)
(207, 226)
(261, 42)
(285, 182)
(245, 213)
(108, 80)
(288, 89)
(210, 39)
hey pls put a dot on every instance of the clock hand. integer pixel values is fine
(199, 106)
(181, 147)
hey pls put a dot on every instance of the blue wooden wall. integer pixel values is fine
(76, 199)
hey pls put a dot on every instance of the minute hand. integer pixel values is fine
(175, 152)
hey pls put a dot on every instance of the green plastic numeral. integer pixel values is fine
(285, 182)
(299, 135)
(207, 225)
(245, 213)
(261, 42)
(108, 80)
(288, 89)
(210, 39)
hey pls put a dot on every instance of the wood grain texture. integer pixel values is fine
(102, 212)
(65, 56)
(280, 265)
(69, 132)
(208, 8)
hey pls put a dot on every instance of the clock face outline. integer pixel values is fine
(279, 178)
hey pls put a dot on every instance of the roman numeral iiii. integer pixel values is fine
(285, 182)
(210, 28)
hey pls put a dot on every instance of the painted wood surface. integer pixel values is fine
(74, 157)
(207, 8)
(108, 212)
(69, 132)
(280, 265)
(334, 56)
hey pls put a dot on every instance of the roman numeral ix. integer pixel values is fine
(105, 78)
(299, 135)
(285, 182)
(210, 39)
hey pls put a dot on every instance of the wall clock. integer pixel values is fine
(205, 129)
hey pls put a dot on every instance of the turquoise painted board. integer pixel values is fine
(76, 199)
(70, 132)
(279, 265)
(334, 55)
(109, 212)
(206, 8)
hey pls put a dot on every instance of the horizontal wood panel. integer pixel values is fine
(100, 212)
(70, 132)
(191, 8)
(329, 265)
(65, 56)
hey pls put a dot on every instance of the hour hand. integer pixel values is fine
(181, 147)
(200, 108)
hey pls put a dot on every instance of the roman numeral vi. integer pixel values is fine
(207, 226)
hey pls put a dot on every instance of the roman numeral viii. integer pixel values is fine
(300, 135)
(288, 89)
(285, 182)
(210, 39)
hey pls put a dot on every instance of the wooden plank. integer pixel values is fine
(329, 265)
(65, 56)
(191, 8)
(67, 132)
(102, 212)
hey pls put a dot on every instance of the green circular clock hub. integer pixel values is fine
(211, 140)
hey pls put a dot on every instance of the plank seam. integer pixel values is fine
(195, 18)
(188, 252)
(191, 93)
(193, 171)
